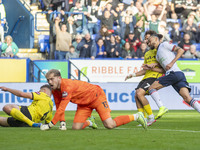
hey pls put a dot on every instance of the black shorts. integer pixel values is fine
(145, 84)
(16, 123)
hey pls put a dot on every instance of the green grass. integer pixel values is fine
(177, 130)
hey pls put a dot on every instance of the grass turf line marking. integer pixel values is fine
(191, 131)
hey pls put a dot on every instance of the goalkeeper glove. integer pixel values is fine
(62, 125)
(46, 126)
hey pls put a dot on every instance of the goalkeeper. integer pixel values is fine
(28, 116)
(87, 97)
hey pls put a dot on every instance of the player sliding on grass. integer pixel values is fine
(150, 75)
(173, 76)
(25, 116)
(88, 97)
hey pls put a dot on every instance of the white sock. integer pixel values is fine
(135, 116)
(90, 123)
(156, 97)
(151, 116)
(195, 105)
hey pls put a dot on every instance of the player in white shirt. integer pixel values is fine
(173, 76)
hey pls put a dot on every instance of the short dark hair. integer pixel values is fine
(46, 86)
(151, 32)
(72, 46)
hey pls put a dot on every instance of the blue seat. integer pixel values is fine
(197, 46)
(43, 41)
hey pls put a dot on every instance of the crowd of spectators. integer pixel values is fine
(115, 28)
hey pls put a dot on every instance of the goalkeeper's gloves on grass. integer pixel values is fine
(46, 126)
(62, 125)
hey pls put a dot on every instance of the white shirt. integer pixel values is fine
(165, 55)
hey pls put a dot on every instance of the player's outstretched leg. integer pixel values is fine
(162, 110)
(141, 120)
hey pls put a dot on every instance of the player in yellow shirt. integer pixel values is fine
(25, 116)
(150, 75)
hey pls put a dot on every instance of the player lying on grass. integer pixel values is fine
(87, 97)
(25, 116)
(150, 75)
(173, 76)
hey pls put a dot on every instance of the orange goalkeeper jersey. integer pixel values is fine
(75, 91)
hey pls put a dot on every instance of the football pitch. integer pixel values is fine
(177, 130)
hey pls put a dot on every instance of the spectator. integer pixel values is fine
(113, 48)
(163, 30)
(9, 48)
(87, 47)
(72, 53)
(101, 50)
(134, 41)
(177, 7)
(107, 19)
(140, 22)
(120, 11)
(128, 52)
(103, 34)
(198, 34)
(71, 27)
(93, 26)
(191, 28)
(69, 4)
(126, 28)
(152, 19)
(132, 8)
(142, 50)
(192, 53)
(76, 42)
(63, 40)
(189, 6)
(47, 4)
(3, 13)
(120, 41)
(52, 34)
(175, 33)
(185, 42)
(1, 33)
(57, 5)
(80, 18)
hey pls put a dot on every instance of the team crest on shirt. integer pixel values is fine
(38, 93)
(64, 94)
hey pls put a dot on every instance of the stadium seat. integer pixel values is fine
(44, 43)
(197, 46)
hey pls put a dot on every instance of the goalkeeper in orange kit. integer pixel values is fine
(88, 97)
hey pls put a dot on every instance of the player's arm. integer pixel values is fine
(17, 92)
(160, 70)
(139, 73)
(59, 113)
(48, 119)
(180, 52)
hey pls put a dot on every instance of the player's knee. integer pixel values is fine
(109, 124)
(139, 93)
(75, 128)
(7, 109)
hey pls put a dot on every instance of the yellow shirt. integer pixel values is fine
(41, 107)
(149, 58)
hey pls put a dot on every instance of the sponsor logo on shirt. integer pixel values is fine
(64, 94)
(38, 93)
